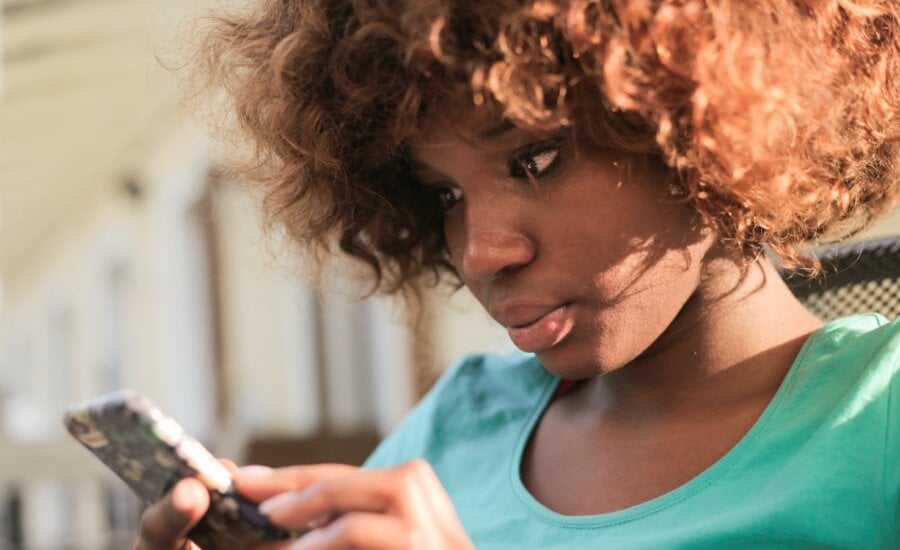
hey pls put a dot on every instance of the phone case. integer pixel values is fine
(151, 452)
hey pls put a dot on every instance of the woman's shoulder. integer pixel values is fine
(851, 376)
(492, 379)
(479, 393)
(479, 386)
(846, 377)
(859, 343)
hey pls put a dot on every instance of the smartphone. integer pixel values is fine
(151, 453)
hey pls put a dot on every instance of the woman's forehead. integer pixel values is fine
(474, 126)
(461, 117)
(448, 140)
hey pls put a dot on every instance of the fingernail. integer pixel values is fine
(272, 505)
(254, 471)
(320, 521)
(313, 539)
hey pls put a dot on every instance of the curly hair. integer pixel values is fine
(780, 118)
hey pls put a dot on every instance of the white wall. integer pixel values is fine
(281, 337)
(118, 297)
(269, 349)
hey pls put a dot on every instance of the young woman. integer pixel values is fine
(604, 177)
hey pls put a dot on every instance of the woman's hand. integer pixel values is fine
(347, 507)
(164, 526)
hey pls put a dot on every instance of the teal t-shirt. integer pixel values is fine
(819, 469)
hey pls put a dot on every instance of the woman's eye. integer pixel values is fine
(447, 197)
(534, 163)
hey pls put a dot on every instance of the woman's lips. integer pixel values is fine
(543, 333)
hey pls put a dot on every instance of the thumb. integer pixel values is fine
(165, 525)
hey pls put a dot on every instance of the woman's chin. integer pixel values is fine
(586, 354)
(569, 364)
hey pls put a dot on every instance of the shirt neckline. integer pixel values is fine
(703, 480)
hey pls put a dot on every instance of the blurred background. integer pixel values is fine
(128, 260)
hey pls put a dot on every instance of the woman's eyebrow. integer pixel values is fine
(493, 133)
(419, 167)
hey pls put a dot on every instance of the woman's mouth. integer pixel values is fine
(544, 332)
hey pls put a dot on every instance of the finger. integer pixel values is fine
(360, 530)
(432, 508)
(432, 488)
(259, 483)
(379, 490)
(245, 479)
(229, 465)
(164, 526)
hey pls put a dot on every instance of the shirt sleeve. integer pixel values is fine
(892, 450)
(406, 442)
(892, 436)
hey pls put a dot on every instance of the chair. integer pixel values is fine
(856, 278)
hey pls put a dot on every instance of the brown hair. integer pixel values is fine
(781, 118)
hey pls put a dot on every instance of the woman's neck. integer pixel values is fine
(735, 339)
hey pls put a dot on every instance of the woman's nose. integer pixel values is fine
(492, 248)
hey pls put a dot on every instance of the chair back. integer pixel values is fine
(856, 278)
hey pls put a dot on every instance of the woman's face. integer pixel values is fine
(586, 265)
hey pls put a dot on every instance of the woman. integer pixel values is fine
(603, 177)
